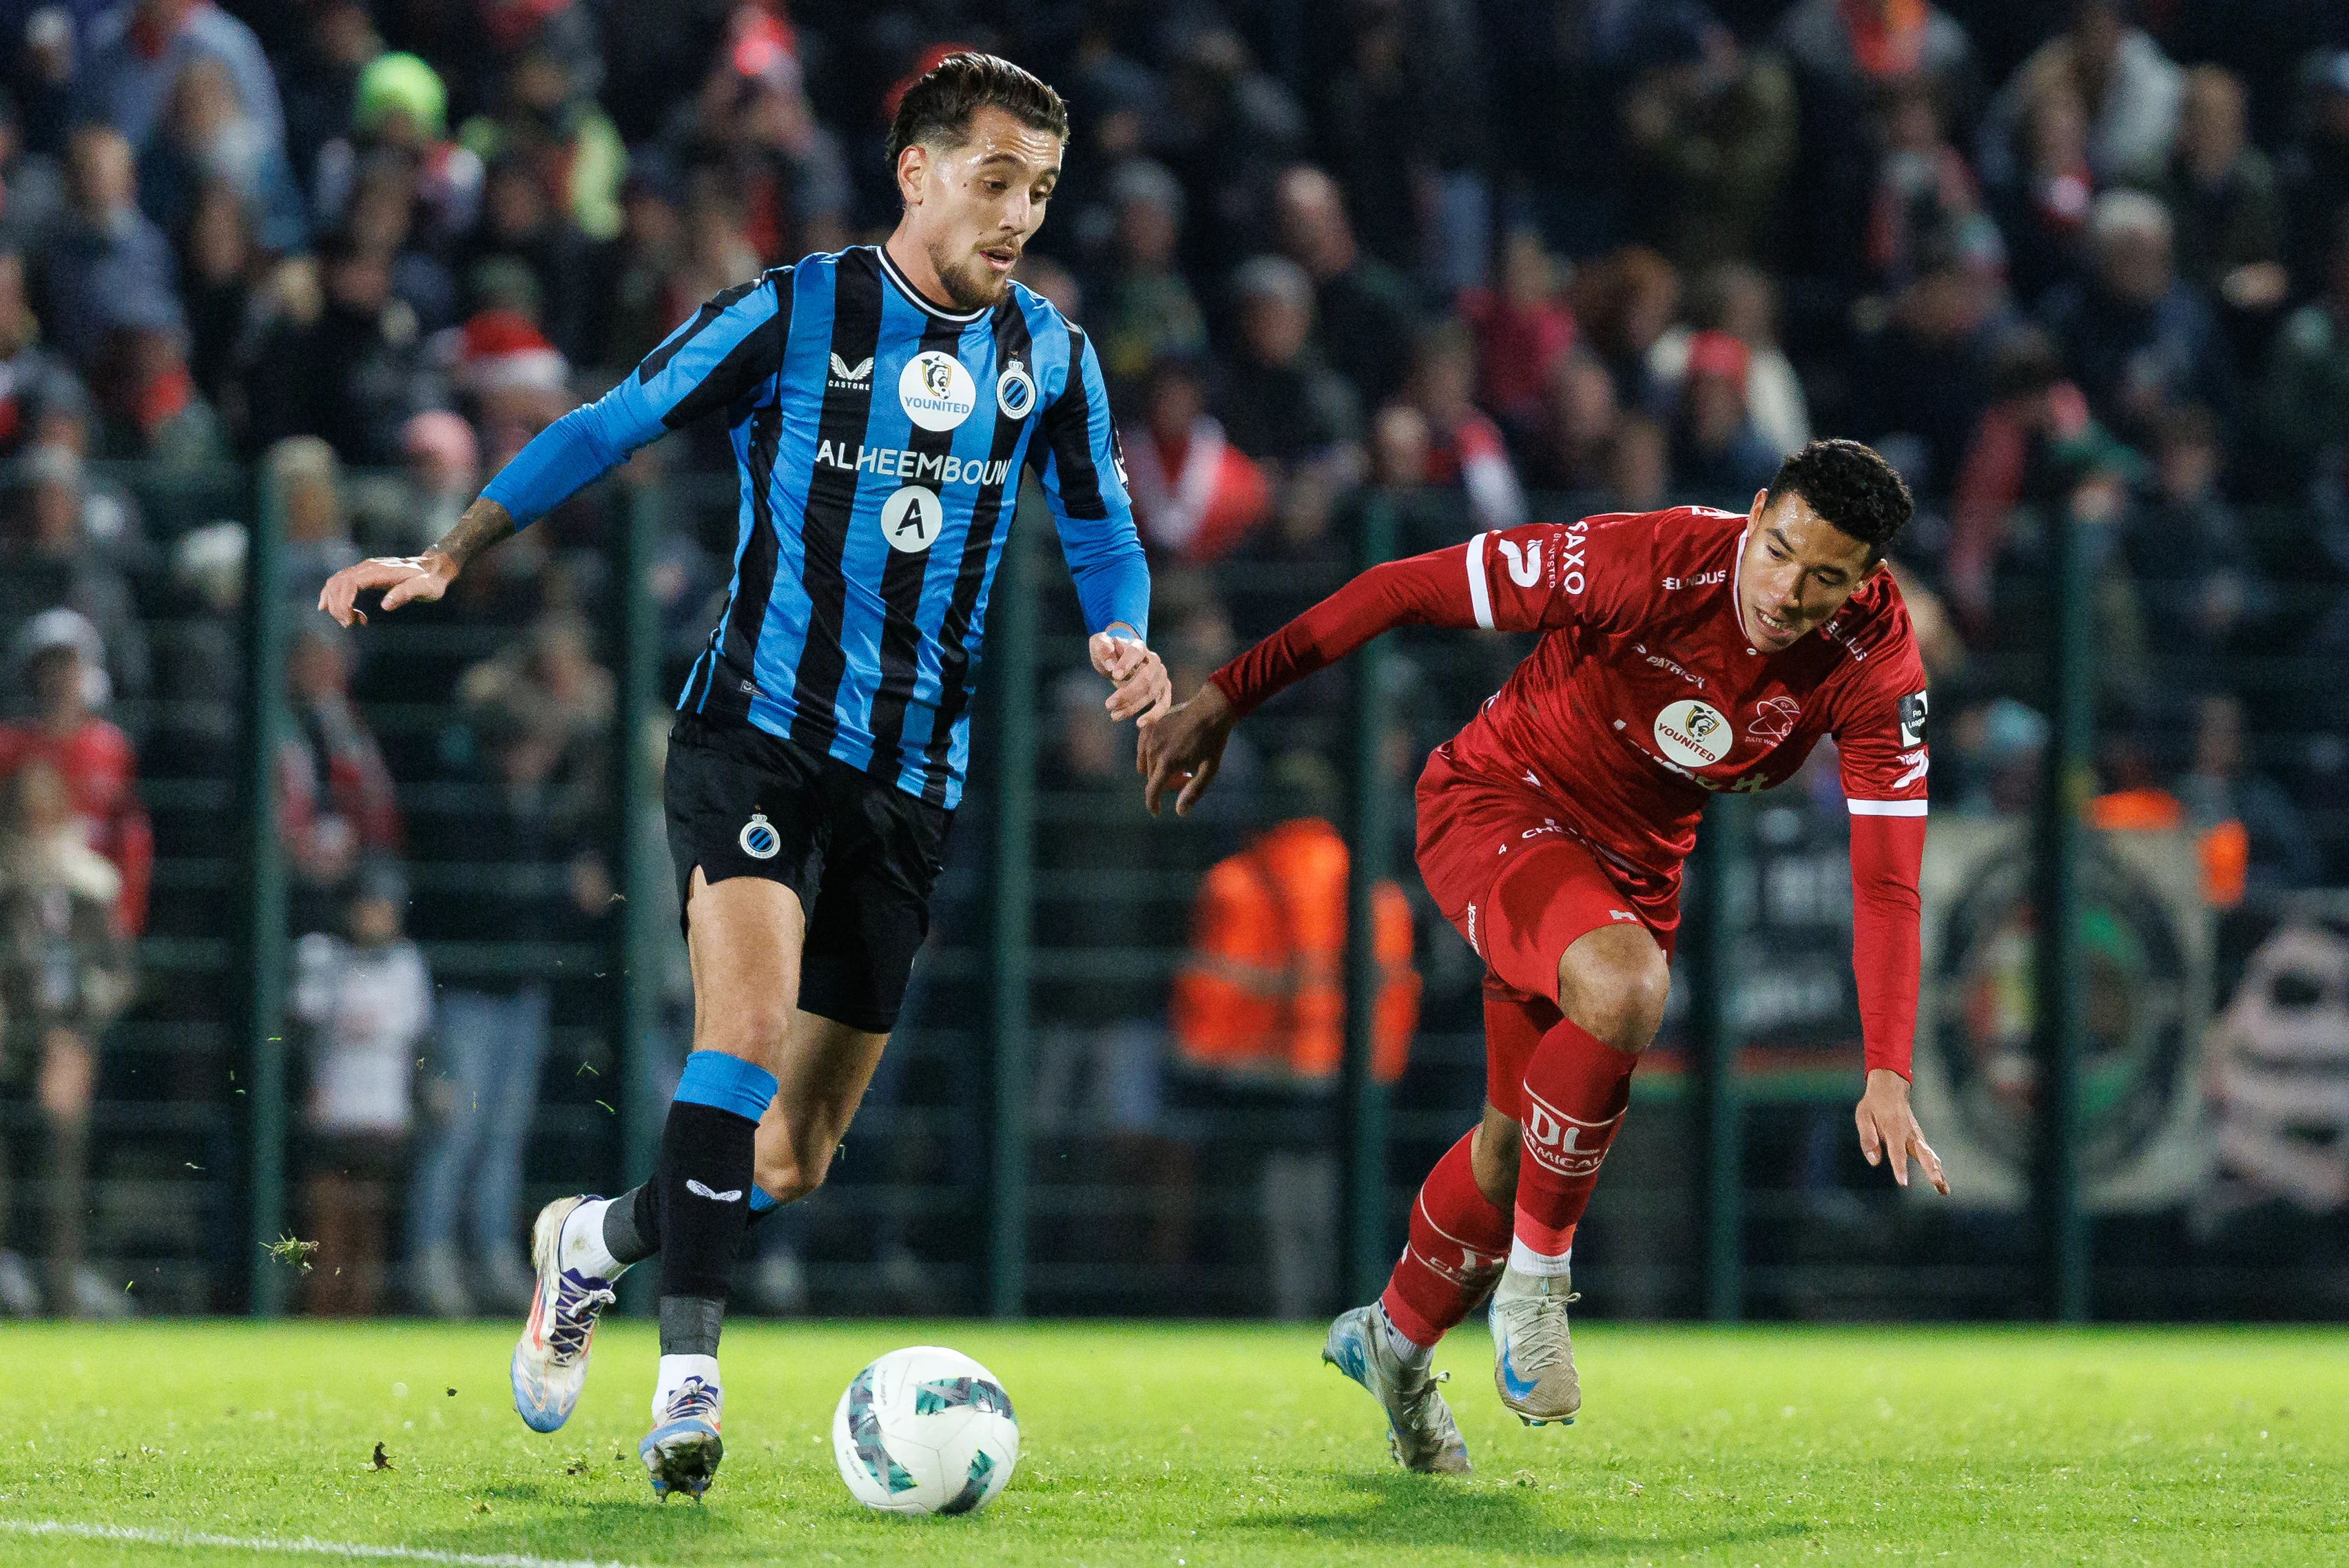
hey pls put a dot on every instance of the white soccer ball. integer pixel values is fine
(925, 1430)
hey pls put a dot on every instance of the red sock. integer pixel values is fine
(1458, 1242)
(1575, 1089)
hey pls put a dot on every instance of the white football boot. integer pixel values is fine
(1533, 1353)
(683, 1448)
(549, 1361)
(1421, 1434)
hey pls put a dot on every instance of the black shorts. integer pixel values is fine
(862, 855)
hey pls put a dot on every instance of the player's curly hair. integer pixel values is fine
(1851, 487)
(938, 107)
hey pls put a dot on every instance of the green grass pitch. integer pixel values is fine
(1185, 1447)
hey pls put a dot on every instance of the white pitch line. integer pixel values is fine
(302, 1545)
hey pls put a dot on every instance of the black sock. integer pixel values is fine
(701, 1190)
(632, 1225)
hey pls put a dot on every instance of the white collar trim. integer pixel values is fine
(889, 270)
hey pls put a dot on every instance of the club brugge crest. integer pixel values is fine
(758, 838)
(1015, 390)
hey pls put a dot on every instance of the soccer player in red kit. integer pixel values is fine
(1682, 652)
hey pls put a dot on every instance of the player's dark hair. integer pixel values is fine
(1851, 488)
(938, 107)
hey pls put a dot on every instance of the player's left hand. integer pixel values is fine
(1887, 1126)
(1142, 686)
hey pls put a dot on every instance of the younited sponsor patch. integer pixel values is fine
(935, 391)
(1693, 734)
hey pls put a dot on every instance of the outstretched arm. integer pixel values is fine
(733, 344)
(1443, 587)
(1886, 853)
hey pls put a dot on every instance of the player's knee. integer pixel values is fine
(1620, 1000)
(754, 1032)
(1493, 1157)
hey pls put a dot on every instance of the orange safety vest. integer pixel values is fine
(1261, 996)
(2224, 850)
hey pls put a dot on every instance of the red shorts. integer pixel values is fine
(1512, 880)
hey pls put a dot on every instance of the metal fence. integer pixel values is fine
(1031, 1146)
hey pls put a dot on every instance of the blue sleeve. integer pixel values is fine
(1082, 470)
(731, 348)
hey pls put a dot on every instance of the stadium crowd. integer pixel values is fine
(1500, 261)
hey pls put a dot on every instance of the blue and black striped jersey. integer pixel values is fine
(881, 440)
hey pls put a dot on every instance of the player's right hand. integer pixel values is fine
(1183, 745)
(401, 578)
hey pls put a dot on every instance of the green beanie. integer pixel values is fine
(401, 81)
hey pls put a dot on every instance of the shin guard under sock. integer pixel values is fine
(1577, 1087)
(1458, 1241)
(701, 1190)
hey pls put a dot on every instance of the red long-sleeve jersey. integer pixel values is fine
(1643, 696)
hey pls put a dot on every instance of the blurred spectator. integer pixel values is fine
(200, 659)
(41, 402)
(1848, 46)
(105, 263)
(2043, 199)
(319, 78)
(1718, 455)
(226, 303)
(1925, 203)
(1736, 299)
(336, 808)
(2018, 453)
(2128, 89)
(1638, 465)
(1623, 303)
(307, 478)
(1923, 380)
(535, 737)
(2314, 169)
(1523, 330)
(382, 225)
(352, 374)
(442, 465)
(1259, 1015)
(2222, 785)
(1579, 412)
(2136, 337)
(1281, 402)
(367, 1001)
(519, 383)
(1228, 129)
(1374, 127)
(206, 136)
(1364, 315)
(1144, 310)
(32, 187)
(1994, 763)
(1464, 448)
(2303, 407)
(400, 110)
(524, 236)
(2202, 586)
(45, 74)
(151, 407)
(58, 656)
(1195, 497)
(550, 127)
(138, 51)
(65, 972)
(751, 123)
(56, 559)
(1709, 132)
(636, 303)
(2222, 199)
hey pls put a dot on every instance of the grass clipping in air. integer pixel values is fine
(1196, 1446)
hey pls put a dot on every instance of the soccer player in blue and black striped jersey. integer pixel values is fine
(884, 403)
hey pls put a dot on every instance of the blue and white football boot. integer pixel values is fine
(683, 1448)
(550, 1361)
(1421, 1433)
(1533, 1353)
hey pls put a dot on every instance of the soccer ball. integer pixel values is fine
(925, 1430)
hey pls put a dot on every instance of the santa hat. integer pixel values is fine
(500, 350)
